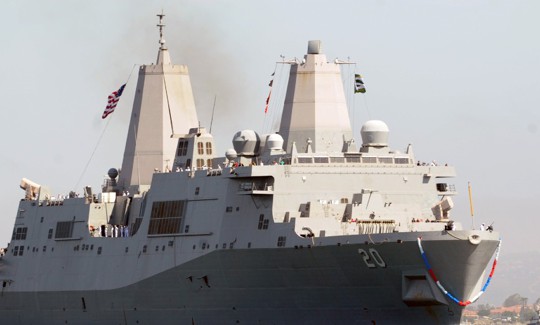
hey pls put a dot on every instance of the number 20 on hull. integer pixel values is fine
(372, 258)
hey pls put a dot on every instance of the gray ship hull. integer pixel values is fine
(296, 226)
(308, 285)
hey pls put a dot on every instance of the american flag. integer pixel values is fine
(113, 101)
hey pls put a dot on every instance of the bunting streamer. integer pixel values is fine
(441, 287)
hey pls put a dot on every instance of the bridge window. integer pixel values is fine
(200, 148)
(304, 160)
(182, 148)
(19, 233)
(200, 163)
(18, 251)
(281, 241)
(369, 160)
(321, 160)
(263, 222)
(209, 148)
(402, 160)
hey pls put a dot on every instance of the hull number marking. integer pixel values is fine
(372, 258)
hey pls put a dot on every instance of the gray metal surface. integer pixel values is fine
(304, 285)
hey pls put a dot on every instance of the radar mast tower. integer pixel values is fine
(163, 99)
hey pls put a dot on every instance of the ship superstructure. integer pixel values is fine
(294, 227)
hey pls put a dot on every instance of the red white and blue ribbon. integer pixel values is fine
(441, 287)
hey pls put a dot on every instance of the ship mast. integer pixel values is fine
(315, 112)
(161, 25)
(163, 54)
(163, 106)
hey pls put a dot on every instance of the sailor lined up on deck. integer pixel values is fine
(110, 231)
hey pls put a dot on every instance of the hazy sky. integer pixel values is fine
(457, 79)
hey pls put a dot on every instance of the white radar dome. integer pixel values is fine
(231, 154)
(246, 143)
(374, 134)
(274, 142)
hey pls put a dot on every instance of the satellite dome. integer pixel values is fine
(113, 173)
(246, 143)
(231, 154)
(274, 142)
(374, 134)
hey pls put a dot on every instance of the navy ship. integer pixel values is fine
(298, 226)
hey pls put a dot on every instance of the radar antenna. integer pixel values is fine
(161, 25)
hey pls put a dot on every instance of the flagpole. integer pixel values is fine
(471, 205)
